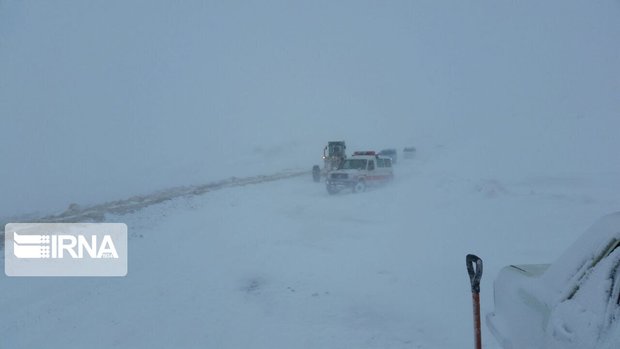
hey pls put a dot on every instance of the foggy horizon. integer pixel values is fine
(103, 100)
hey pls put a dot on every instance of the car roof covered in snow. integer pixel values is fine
(594, 245)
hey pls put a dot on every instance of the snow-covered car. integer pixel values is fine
(359, 171)
(573, 303)
(390, 153)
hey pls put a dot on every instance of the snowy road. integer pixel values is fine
(285, 265)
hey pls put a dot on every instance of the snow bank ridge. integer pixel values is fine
(76, 213)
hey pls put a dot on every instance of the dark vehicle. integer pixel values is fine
(409, 152)
(333, 155)
(390, 153)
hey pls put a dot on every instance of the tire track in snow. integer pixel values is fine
(97, 213)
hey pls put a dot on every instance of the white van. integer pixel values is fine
(361, 170)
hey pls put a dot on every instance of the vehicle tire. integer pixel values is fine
(316, 173)
(332, 190)
(359, 187)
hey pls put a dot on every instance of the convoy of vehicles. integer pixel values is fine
(363, 169)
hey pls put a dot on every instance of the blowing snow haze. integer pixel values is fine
(100, 100)
(512, 107)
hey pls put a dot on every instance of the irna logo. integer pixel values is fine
(63, 246)
(65, 249)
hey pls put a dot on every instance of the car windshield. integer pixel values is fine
(358, 164)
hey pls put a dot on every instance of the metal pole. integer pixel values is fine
(474, 269)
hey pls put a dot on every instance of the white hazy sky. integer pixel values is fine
(103, 99)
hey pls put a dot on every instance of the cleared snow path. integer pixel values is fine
(97, 213)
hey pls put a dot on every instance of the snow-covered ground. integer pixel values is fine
(513, 107)
(284, 265)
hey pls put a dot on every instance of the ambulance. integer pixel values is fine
(363, 169)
